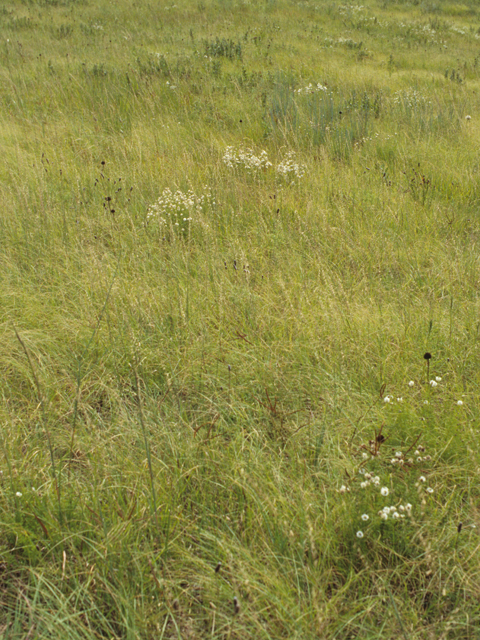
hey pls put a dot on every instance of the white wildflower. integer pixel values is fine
(246, 159)
(289, 168)
(365, 517)
(310, 88)
(411, 383)
(359, 534)
(179, 208)
(384, 491)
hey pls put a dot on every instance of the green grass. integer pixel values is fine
(229, 232)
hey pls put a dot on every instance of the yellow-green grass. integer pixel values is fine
(175, 396)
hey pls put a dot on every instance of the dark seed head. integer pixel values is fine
(236, 605)
(459, 528)
(218, 567)
(427, 356)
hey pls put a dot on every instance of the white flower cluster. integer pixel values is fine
(409, 99)
(423, 32)
(289, 168)
(246, 158)
(389, 399)
(312, 88)
(459, 30)
(178, 209)
(347, 8)
(394, 512)
(369, 479)
(400, 459)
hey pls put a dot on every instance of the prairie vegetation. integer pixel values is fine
(239, 256)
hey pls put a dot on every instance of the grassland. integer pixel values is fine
(229, 234)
